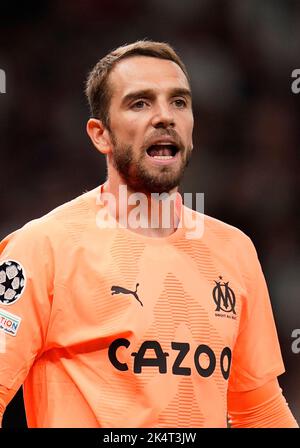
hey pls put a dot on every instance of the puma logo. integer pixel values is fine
(121, 290)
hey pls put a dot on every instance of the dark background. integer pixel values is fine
(240, 54)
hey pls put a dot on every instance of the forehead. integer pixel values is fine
(143, 72)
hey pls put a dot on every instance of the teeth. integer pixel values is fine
(162, 157)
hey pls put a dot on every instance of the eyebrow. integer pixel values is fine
(149, 93)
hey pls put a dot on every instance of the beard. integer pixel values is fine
(139, 177)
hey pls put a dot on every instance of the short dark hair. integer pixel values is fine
(97, 89)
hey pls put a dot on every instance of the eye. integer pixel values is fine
(139, 104)
(180, 103)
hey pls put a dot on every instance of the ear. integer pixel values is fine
(99, 135)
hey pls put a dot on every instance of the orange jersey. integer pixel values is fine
(109, 328)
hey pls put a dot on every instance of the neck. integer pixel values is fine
(149, 214)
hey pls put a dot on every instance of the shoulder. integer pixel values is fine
(222, 239)
(214, 229)
(66, 222)
(225, 232)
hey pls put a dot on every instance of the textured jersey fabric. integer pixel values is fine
(264, 407)
(114, 329)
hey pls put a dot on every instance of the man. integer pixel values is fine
(111, 321)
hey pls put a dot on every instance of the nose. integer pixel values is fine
(163, 116)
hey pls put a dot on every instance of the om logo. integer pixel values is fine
(224, 297)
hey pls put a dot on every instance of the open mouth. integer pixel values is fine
(162, 151)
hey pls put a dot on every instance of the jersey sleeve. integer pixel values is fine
(26, 273)
(256, 355)
(264, 407)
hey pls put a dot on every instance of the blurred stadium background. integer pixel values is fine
(240, 55)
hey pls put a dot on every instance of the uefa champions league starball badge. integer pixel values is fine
(12, 282)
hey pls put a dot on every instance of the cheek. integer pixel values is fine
(191, 127)
(188, 128)
(131, 127)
